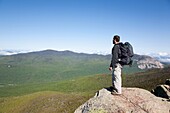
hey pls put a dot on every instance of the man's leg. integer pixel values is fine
(116, 79)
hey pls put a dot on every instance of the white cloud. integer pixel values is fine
(12, 52)
(163, 54)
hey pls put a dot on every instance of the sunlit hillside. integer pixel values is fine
(55, 96)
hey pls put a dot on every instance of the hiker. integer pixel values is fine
(116, 67)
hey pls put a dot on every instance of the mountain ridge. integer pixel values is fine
(51, 65)
(161, 57)
(143, 61)
(50, 52)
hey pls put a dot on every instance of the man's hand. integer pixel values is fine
(110, 68)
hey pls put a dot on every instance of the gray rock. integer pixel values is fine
(133, 100)
(162, 91)
(147, 62)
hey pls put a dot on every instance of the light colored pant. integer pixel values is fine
(117, 79)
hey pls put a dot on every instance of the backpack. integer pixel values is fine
(126, 54)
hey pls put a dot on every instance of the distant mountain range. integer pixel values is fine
(143, 61)
(162, 57)
(51, 65)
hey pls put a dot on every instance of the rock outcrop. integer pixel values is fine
(163, 90)
(133, 100)
(147, 62)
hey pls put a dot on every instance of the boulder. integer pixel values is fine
(162, 91)
(132, 100)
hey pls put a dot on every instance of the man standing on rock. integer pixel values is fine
(116, 67)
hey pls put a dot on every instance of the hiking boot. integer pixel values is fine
(115, 93)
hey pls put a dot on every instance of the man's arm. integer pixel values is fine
(115, 57)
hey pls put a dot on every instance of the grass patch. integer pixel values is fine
(88, 84)
(55, 97)
(42, 102)
(147, 80)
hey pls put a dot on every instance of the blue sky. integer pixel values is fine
(84, 25)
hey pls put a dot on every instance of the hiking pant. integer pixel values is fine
(116, 78)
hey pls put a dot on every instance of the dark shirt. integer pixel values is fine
(115, 55)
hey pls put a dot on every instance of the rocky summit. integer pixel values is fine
(132, 100)
(147, 62)
(163, 90)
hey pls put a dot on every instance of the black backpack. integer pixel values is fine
(126, 54)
